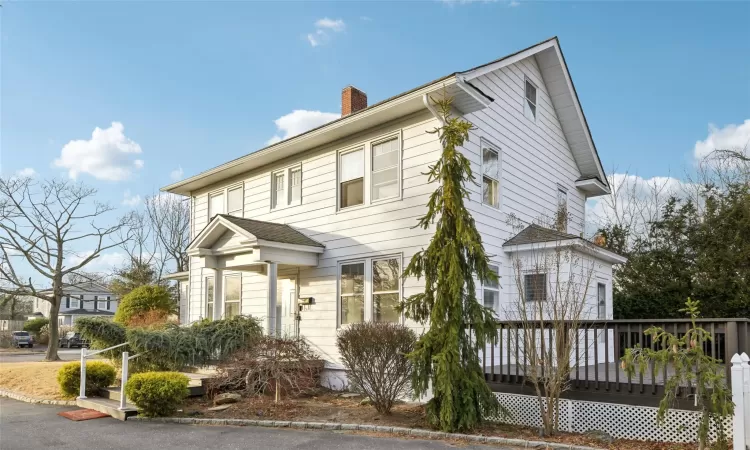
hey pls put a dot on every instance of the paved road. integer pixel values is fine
(25, 426)
(38, 355)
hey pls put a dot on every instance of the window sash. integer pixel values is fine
(491, 291)
(490, 192)
(352, 193)
(101, 304)
(385, 164)
(352, 165)
(386, 292)
(234, 201)
(535, 287)
(215, 205)
(601, 294)
(210, 298)
(491, 163)
(530, 92)
(295, 186)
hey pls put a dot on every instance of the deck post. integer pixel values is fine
(123, 401)
(739, 410)
(272, 277)
(746, 394)
(82, 388)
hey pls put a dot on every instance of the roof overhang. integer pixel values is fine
(577, 244)
(177, 276)
(567, 106)
(467, 99)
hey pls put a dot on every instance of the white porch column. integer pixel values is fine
(272, 276)
(218, 294)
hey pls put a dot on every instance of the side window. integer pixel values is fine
(232, 295)
(490, 176)
(561, 219)
(210, 298)
(491, 291)
(351, 178)
(601, 299)
(529, 104)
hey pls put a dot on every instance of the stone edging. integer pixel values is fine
(415, 432)
(40, 401)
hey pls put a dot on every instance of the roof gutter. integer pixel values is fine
(430, 107)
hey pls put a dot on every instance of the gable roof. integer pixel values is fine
(252, 230)
(534, 234)
(85, 312)
(467, 98)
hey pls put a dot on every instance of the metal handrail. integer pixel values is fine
(85, 354)
(124, 378)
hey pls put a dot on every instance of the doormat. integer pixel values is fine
(82, 414)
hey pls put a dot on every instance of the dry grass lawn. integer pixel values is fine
(35, 379)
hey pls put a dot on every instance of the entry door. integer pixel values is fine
(286, 307)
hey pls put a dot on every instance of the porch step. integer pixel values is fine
(107, 406)
(113, 393)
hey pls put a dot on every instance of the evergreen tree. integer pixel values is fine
(446, 356)
(138, 273)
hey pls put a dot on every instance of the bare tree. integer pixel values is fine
(552, 285)
(144, 248)
(40, 222)
(169, 216)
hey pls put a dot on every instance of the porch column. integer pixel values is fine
(218, 294)
(272, 276)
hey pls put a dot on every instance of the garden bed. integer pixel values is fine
(331, 407)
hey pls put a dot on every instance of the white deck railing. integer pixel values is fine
(85, 354)
(741, 399)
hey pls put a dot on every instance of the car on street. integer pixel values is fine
(22, 339)
(72, 339)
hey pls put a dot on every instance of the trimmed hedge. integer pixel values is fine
(99, 374)
(157, 394)
(142, 300)
(34, 326)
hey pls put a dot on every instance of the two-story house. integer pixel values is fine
(311, 234)
(86, 299)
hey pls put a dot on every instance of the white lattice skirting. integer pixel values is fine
(620, 421)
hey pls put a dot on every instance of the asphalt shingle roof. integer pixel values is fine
(85, 312)
(534, 234)
(274, 232)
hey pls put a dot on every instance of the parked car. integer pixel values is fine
(72, 339)
(22, 339)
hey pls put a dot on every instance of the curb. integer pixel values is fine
(38, 401)
(415, 432)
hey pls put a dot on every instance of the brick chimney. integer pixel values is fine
(352, 100)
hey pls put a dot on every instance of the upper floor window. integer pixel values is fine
(535, 287)
(490, 176)
(351, 178)
(215, 204)
(101, 304)
(385, 162)
(529, 107)
(234, 201)
(491, 291)
(561, 219)
(286, 187)
(370, 289)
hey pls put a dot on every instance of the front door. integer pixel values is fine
(286, 306)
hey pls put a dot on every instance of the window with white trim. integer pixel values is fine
(232, 295)
(215, 204)
(385, 165)
(352, 178)
(234, 201)
(601, 300)
(529, 104)
(561, 219)
(491, 291)
(286, 187)
(100, 304)
(535, 287)
(370, 290)
(209, 298)
(75, 303)
(490, 176)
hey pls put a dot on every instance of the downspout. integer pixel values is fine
(430, 107)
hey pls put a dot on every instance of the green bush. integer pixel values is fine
(157, 394)
(142, 300)
(34, 326)
(99, 374)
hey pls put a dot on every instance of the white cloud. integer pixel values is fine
(108, 155)
(323, 31)
(299, 121)
(176, 174)
(105, 262)
(731, 137)
(26, 172)
(130, 199)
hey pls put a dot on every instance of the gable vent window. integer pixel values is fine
(234, 201)
(352, 176)
(385, 169)
(286, 187)
(490, 176)
(530, 103)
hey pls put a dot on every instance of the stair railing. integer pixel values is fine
(84, 355)
(125, 361)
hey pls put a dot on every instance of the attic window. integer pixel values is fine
(529, 108)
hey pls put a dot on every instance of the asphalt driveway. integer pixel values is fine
(37, 354)
(25, 426)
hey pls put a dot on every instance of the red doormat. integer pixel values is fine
(82, 414)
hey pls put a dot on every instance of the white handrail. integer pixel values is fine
(85, 354)
(124, 378)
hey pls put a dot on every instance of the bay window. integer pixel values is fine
(232, 295)
(370, 290)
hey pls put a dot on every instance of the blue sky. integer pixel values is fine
(194, 84)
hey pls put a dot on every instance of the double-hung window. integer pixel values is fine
(210, 298)
(352, 178)
(370, 290)
(229, 200)
(529, 104)
(491, 291)
(535, 287)
(215, 204)
(100, 304)
(234, 201)
(232, 295)
(385, 158)
(490, 176)
(286, 187)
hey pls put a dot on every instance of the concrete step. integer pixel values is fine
(107, 406)
(113, 393)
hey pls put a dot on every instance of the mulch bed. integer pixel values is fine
(330, 407)
(82, 414)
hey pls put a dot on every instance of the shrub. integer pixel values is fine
(6, 339)
(157, 394)
(99, 374)
(143, 299)
(34, 326)
(271, 363)
(374, 355)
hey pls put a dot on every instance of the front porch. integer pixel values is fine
(249, 267)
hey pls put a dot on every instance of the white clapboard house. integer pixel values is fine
(84, 299)
(310, 234)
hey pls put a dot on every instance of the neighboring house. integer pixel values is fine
(86, 299)
(310, 234)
